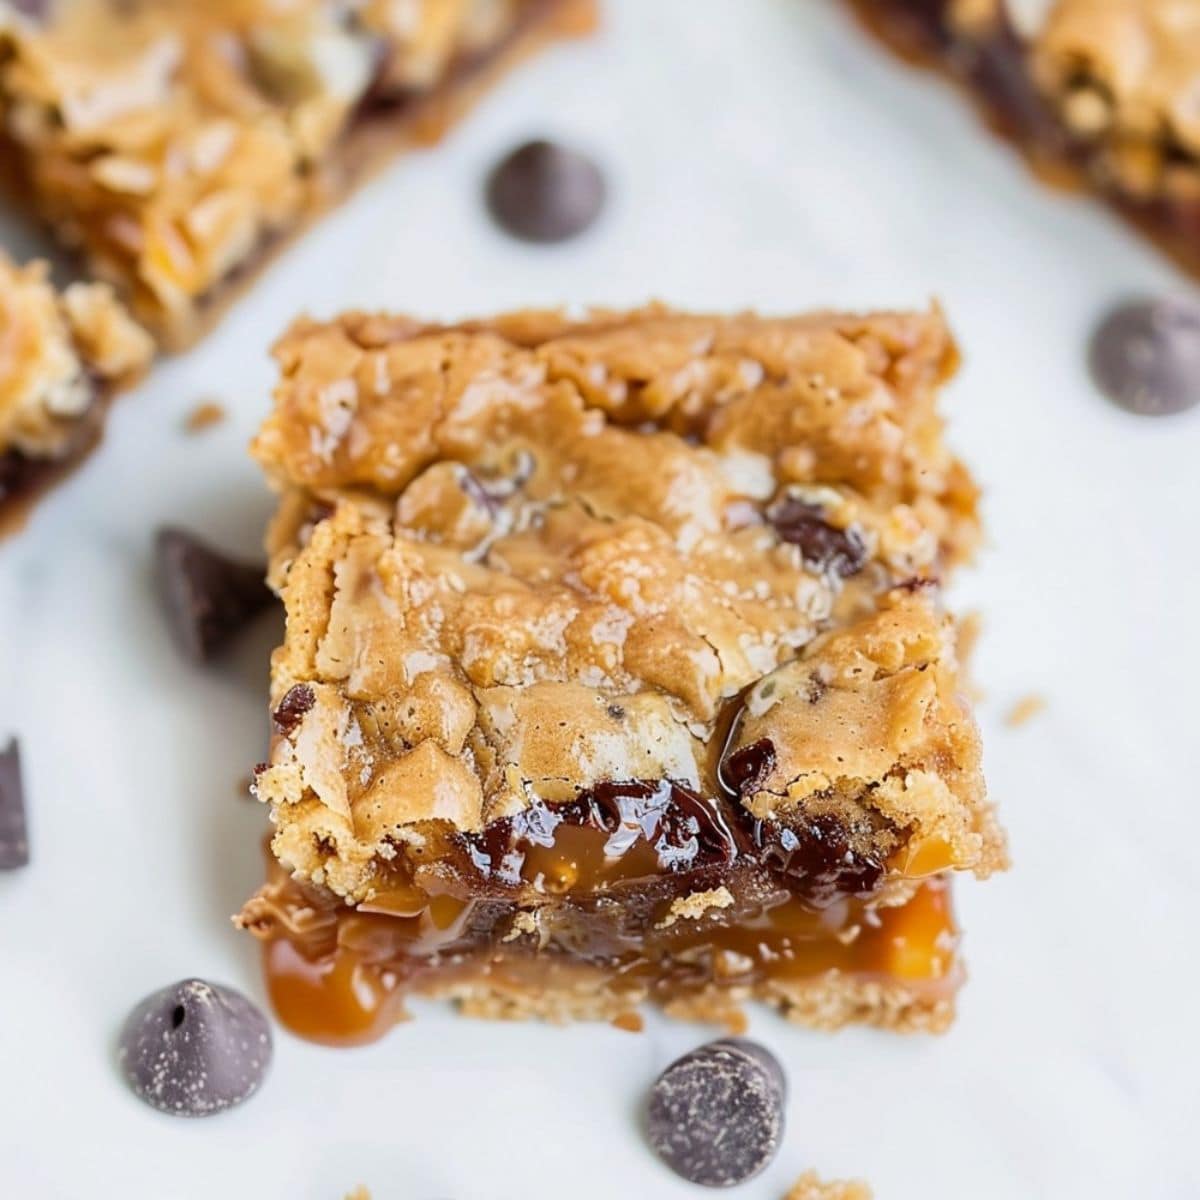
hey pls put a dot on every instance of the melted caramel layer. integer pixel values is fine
(339, 976)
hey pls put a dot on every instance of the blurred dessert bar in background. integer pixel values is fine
(62, 356)
(1098, 93)
(175, 145)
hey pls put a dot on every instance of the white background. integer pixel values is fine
(762, 153)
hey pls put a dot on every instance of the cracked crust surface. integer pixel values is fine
(59, 351)
(525, 556)
(173, 142)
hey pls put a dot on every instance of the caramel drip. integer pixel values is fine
(352, 990)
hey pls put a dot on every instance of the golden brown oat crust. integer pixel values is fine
(1124, 72)
(525, 556)
(851, 399)
(826, 1002)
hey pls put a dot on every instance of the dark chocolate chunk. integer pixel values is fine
(14, 836)
(297, 701)
(687, 831)
(209, 598)
(195, 1048)
(716, 1115)
(745, 771)
(1145, 356)
(822, 545)
(544, 192)
(817, 857)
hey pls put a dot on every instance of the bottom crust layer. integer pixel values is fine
(826, 1002)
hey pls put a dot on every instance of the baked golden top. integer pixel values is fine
(527, 556)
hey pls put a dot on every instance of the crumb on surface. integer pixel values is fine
(359, 1193)
(524, 924)
(810, 1187)
(695, 905)
(1024, 710)
(205, 415)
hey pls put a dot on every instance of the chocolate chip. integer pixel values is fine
(298, 700)
(544, 192)
(716, 1115)
(1145, 356)
(687, 831)
(209, 598)
(745, 771)
(822, 545)
(818, 858)
(14, 837)
(194, 1049)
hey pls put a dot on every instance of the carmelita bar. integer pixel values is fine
(616, 669)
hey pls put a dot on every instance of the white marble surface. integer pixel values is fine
(761, 153)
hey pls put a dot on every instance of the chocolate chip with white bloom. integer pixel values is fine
(1145, 356)
(716, 1115)
(194, 1049)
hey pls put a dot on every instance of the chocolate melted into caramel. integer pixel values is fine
(344, 983)
(662, 829)
(583, 894)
